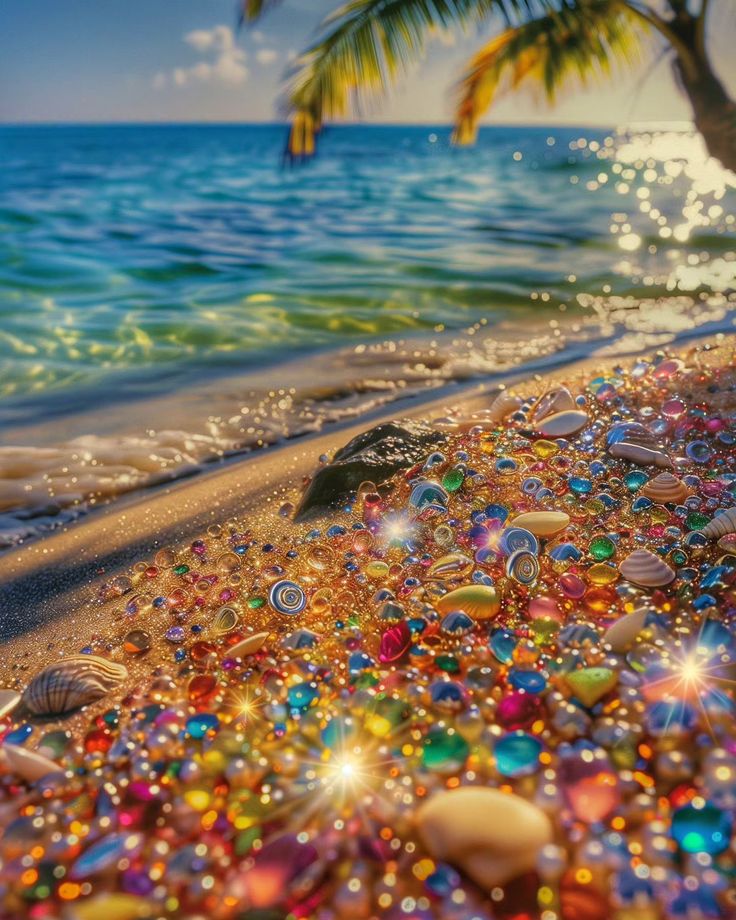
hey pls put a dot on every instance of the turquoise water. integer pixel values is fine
(151, 259)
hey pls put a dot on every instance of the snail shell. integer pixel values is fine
(556, 400)
(664, 489)
(503, 405)
(645, 569)
(721, 525)
(72, 682)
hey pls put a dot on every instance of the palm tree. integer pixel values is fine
(365, 46)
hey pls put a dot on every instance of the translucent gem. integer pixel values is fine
(444, 750)
(701, 830)
(699, 451)
(453, 479)
(602, 548)
(199, 725)
(635, 480)
(517, 754)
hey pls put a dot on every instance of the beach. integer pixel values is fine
(493, 682)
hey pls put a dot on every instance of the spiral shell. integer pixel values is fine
(72, 682)
(523, 567)
(645, 569)
(665, 489)
(287, 597)
(559, 399)
(721, 525)
(503, 405)
(454, 565)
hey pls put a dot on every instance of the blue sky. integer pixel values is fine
(180, 60)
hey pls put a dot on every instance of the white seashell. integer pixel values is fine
(28, 765)
(247, 646)
(563, 424)
(503, 405)
(621, 634)
(72, 682)
(645, 569)
(665, 489)
(491, 836)
(642, 456)
(559, 399)
(722, 524)
(542, 523)
(9, 699)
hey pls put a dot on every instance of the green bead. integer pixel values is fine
(181, 569)
(447, 663)
(452, 480)
(544, 630)
(696, 521)
(635, 480)
(444, 750)
(255, 602)
(602, 548)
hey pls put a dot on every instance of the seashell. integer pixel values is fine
(664, 489)
(479, 601)
(72, 682)
(642, 456)
(563, 424)
(28, 765)
(722, 524)
(247, 646)
(491, 836)
(645, 569)
(287, 597)
(454, 565)
(503, 406)
(225, 620)
(542, 523)
(523, 567)
(559, 399)
(621, 634)
(9, 699)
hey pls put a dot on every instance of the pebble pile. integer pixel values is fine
(499, 685)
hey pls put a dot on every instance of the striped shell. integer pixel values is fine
(479, 601)
(645, 569)
(70, 683)
(721, 525)
(503, 405)
(665, 489)
(557, 400)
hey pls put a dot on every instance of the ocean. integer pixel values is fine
(174, 295)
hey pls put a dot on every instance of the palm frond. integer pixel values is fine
(250, 10)
(578, 41)
(365, 45)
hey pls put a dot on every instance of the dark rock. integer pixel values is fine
(374, 455)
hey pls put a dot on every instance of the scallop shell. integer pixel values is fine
(479, 601)
(721, 525)
(665, 489)
(559, 399)
(645, 569)
(503, 405)
(563, 424)
(72, 682)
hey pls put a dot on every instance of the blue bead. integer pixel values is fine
(701, 830)
(517, 754)
(199, 725)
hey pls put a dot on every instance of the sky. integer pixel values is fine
(183, 60)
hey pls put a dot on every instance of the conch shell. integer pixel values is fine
(721, 525)
(645, 569)
(72, 682)
(665, 489)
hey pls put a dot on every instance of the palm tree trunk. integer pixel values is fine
(714, 112)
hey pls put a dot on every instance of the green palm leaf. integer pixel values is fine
(574, 43)
(366, 45)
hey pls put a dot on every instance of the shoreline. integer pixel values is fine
(55, 574)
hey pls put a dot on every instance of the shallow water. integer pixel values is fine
(154, 280)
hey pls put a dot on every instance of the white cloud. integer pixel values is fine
(266, 55)
(226, 62)
(258, 37)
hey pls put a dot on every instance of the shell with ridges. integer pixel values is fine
(665, 489)
(72, 682)
(503, 405)
(721, 525)
(479, 601)
(645, 569)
